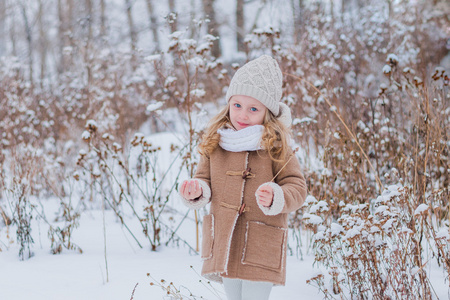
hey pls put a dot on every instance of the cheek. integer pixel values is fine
(260, 118)
(232, 114)
(257, 119)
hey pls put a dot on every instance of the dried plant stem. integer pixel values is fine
(122, 221)
(345, 125)
(208, 285)
(415, 165)
(127, 200)
(5, 218)
(196, 231)
(191, 142)
(134, 290)
(104, 239)
(426, 147)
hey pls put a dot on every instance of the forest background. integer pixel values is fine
(103, 102)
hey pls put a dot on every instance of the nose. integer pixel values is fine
(244, 115)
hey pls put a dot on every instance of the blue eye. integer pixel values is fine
(237, 105)
(253, 109)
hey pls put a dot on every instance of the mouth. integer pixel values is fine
(242, 124)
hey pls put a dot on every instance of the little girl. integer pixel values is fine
(249, 173)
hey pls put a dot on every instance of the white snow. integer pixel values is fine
(312, 219)
(153, 58)
(169, 80)
(336, 229)
(387, 69)
(199, 93)
(422, 208)
(353, 232)
(85, 135)
(154, 106)
(74, 276)
(392, 58)
(321, 206)
(443, 233)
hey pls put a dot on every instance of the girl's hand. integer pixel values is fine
(190, 189)
(265, 195)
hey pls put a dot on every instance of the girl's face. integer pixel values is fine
(246, 111)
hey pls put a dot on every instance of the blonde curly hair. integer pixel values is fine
(275, 137)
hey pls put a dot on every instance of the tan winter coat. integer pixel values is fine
(242, 239)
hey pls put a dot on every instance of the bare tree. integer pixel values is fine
(258, 13)
(345, 7)
(61, 65)
(88, 39)
(133, 34)
(153, 24)
(173, 16)
(43, 43)
(12, 35)
(389, 3)
(29, 41)
(102, 18)
(70, 23)
(332, 11)
(65, 32)
(2, 28)
(240, 26)
(208, 9)
(299, 13)
(89, 19)
(192, 25)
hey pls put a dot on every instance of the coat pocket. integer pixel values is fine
(207, 236)
(264, 246)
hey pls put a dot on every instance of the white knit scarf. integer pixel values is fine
(247, 139)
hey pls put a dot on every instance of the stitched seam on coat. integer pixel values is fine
(283, 254)
(235, 219)
(213, 276)
(212, 239)
(229, 244)
(283, 249)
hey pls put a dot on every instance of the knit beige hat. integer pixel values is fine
(261, 79)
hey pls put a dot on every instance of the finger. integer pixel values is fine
(183, 188)
(194, 186)
(197, 187)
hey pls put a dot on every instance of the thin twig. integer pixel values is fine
(132, 294)
(345, 125)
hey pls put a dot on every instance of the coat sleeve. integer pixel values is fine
(203, 176)
(289, 188)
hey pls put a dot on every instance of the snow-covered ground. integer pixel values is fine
(71, 276)
(74, 276)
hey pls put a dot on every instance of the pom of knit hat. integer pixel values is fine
(261, 79)
(285, 115)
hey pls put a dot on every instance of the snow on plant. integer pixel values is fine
(18, 193)
(131, 181)
(378, 252)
